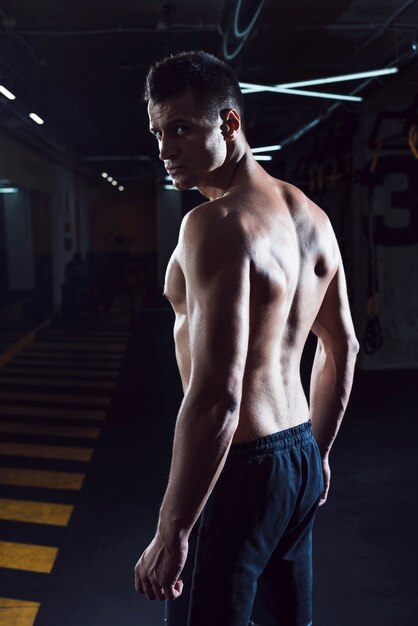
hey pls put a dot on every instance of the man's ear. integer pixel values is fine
(231, 124)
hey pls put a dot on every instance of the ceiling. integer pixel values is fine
(81, 65)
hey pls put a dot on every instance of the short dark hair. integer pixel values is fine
(213, 82)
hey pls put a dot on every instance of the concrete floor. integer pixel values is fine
(365, 541)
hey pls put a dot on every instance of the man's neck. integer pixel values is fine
(238, 167)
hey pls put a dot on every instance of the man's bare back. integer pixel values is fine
(255, 270)
(293, 259)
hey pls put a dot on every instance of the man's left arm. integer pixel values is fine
(216, 264)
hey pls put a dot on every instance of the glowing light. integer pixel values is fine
(36, 118)
(266, 149)
(121, 188)
(342, 78)
(7, 93)
(114, 183)
(104, 174)
(263, 157)
(253, 88)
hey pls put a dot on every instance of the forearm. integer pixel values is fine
(331, 382)
(202, 439)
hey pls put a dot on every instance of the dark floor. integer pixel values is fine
(365, 542)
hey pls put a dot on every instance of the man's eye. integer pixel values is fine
(181, 130)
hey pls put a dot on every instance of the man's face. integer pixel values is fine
(191, 146)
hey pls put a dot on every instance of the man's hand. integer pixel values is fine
(158, 569)
(326, 473)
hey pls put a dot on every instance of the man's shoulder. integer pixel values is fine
(211, 217)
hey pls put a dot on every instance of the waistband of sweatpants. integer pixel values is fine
(296, 436)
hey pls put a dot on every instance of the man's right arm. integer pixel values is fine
(333, 367)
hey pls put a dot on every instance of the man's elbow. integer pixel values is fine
(353, 345)
(346, 346)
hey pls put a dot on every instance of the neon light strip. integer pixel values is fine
(266, 149)
(263, 157)
(253, 88)
(342, 78)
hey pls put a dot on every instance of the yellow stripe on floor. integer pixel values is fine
(41, 479)
(81, 432)
(85, 374)
(59, 413)
(54, 398)
(33, 512)
(66, 453)
(18, 612)
(87, 347)
(51, 382)
(28, 557)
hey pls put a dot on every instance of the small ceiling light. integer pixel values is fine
(263, 157)
(8, 190)
(109, 178)
(104, 174)
(266, 149)
(7, 93)
(36, 118)
(114, 183)
(121, 188)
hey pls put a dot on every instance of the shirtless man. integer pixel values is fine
(256, 268)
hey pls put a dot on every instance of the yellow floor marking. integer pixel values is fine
(35, 411)
(35, 512)
(22, 343)
(85, 374)
(92, 347)
(57, 383)
(18, 612)
(28, 557)
(81, 432)
(41, 478)
(54, 398)
(34, 450)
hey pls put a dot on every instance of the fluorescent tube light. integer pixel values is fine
(266, 149)
(36, 118)
(8, 190)
(342, 78)
(7, 93)
(252, 88)
(263, 157)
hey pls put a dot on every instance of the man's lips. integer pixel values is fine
(174, 169)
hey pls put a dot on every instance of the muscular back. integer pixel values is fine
(293, 258)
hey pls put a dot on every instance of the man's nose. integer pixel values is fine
(168, 148)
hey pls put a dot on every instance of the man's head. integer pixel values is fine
(213, 83)
(194, 106)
